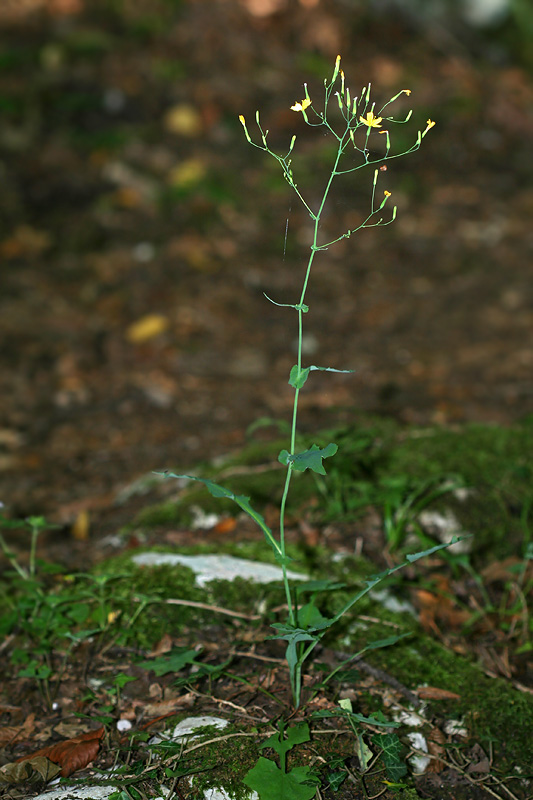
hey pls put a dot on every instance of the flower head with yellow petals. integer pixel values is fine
(371, 121)
(429, 124)
(301, 106)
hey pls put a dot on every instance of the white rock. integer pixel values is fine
(453, 727)
(419, 762)
(218, 567)
(445, 525)
(187, 727)
(78, 793)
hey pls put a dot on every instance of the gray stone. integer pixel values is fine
(218, 567)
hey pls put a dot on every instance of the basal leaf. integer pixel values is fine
(270, 783)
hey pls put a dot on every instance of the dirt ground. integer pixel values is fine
(139, 232)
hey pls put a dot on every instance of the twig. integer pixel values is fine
(257, 657)
(465, 774)
(172, 601)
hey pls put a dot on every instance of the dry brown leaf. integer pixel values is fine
(70, 729)
(438, 610)
(164, 645)
(226, 525)
(436, 740)
(163, 707)
(64, 8)
(32, 770)
(72, 754)
(501, 570)
(11, 733)
(80, 528)
(434, 693)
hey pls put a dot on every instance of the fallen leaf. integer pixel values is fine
(64, 8)
(164, 708)
(226, 525)
(147, 328)
(32, 770)
(505, 570)
(438, 608)
(11, 733)
(71, 754)
(434, 693)
(187, 174)
(183, 119)
(25, 242)
(436, 740)
(164, 645)
(80, 528)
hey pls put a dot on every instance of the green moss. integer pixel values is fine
(494, 464)
(492, 710)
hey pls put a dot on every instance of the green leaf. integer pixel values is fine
(310, 618)
(270, 783)
(298, 375)
(296, 734)
(121, 680)
(336, 779)
(312, 458)
(244, 502)
(363, 753)
(375, 579)
(292, 636)
(284, 457)
(325, 585)
(178, 658)
(392, 748)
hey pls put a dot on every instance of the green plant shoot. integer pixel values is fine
(355, 123)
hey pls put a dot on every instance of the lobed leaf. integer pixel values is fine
(309, 459)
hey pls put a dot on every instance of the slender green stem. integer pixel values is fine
(296, 676)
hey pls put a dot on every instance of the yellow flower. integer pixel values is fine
(301, 106)
(430, 124)
(407, 92)
(242, 120)
(371, 120)
(386, 193)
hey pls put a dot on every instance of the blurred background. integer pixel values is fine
(139, 230)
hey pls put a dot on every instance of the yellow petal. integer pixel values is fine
(371, 120)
